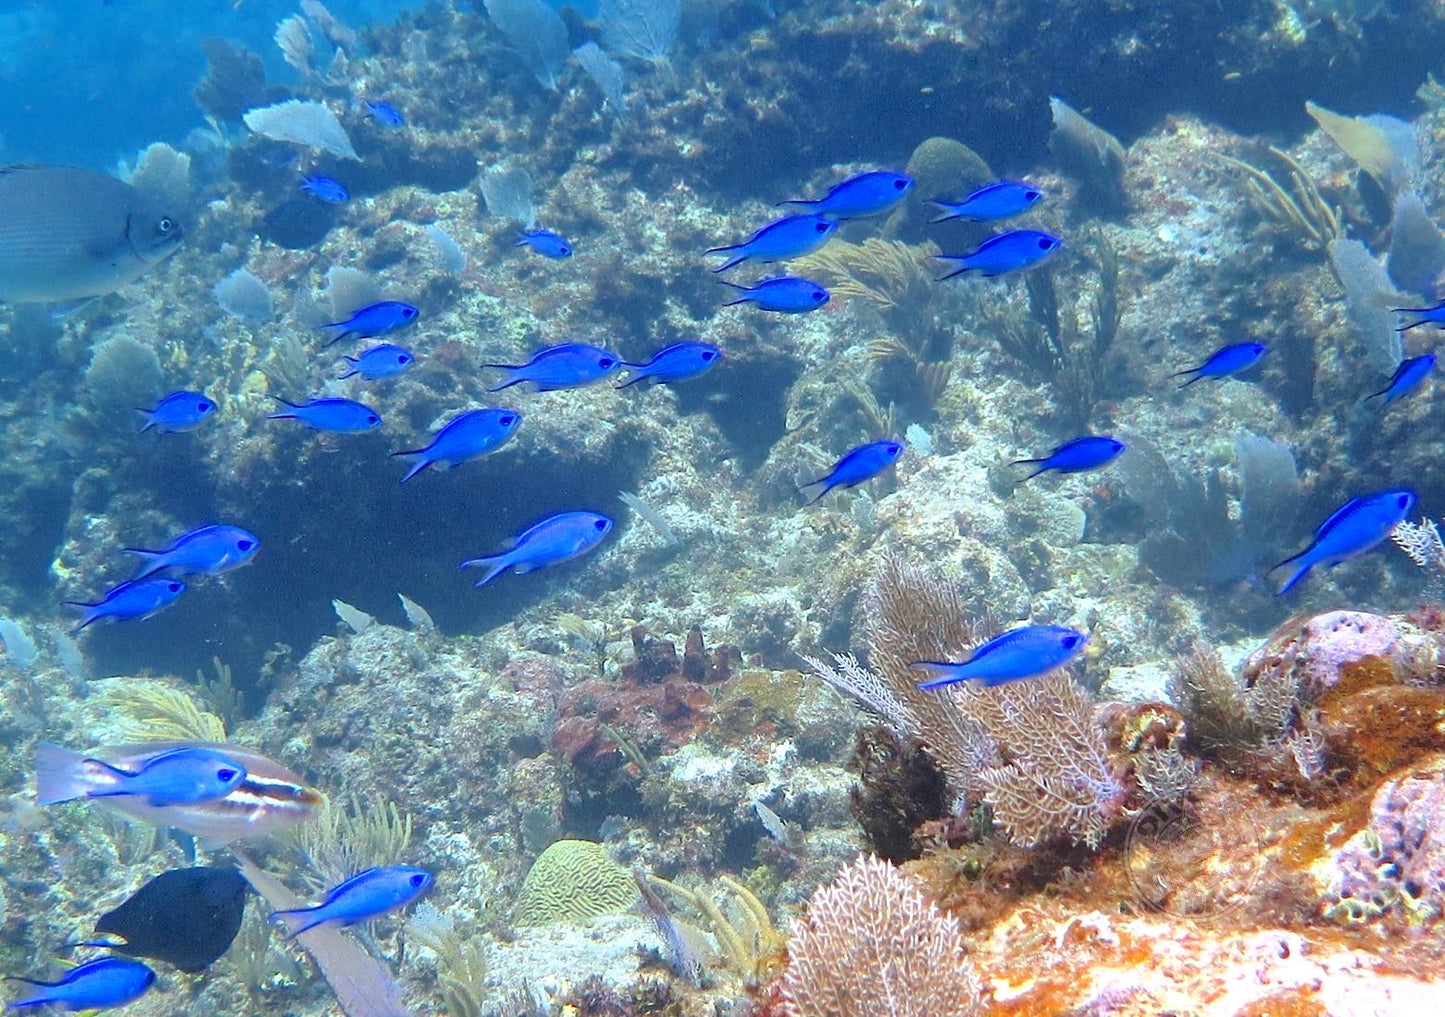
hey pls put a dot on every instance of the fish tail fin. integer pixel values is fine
(826, 488)
(1029, 462)
(635, 378)
(1191, 381)
(415, 467)
(297, 920)
(736, 259)
(351, 373)
(345, 333)
(87, 613)
(283, 416)
(59, 774)
(494, 565)
(506, 382)
(962, 268)
(805, 202)
(942, 671)
(147, 558)
(948, 212)
(148, 420)
(1293, 580)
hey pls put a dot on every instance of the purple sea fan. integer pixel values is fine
(873, 944)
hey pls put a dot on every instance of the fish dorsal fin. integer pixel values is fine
(1339, 513)
(990, 645)
(342, 888)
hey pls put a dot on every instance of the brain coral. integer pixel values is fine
(571, 880)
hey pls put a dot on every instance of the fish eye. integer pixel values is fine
(708, 354)
(1045, 243)
(823, 227)
(408, 312)
(225, 774)
(1403, 501)
(564, 249)
(899, 184)
(1033, 195)
(508, 420)
(372, 418)
(418, 880)
(165, 225)
(402, 358)
(819, 295)
(174, 587)
(203, 406)
(245, 545)
(600, 524)
(1071, 641)
(605, 363)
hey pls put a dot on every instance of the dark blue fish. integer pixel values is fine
(385, 113)
(1086, 453)
(857, 465)
(1008, 252)
(860, 195)
(364, 896)
(568, 365)
(1356, 526)
(94, 985)
(185, 917)
(340, 415)
(467, 436)
(185, 776)
(1232, 359)
(1002, 199)
(785, 294)
(373, 320)
(1021, 653)
(678, 362)
(554, 540)
(1428, 316)
(546, 243)
(324, 188)
(792, 236)
(205, 551)
(384, 361)
(180, 411)
(130, 601)
(1409, 376)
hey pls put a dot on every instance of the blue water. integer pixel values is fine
(88, 83)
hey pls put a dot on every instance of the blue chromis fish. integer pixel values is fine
(1013, 251)
(677, 362)
(343, 416)
(182, 776)
(366, 895)
(862, 194)
(1020, 653)
(325, 189)
(792, 236)
(1001, 199)
(857, 465)
(72, 235)
(1409, 376)
(466, 436)
(1427, 316)
(373, 320)
(784, 294)
(205, 551)
(1086, 453)
(269, 798)
(384, 361)
(133, 601)
(1355, 527)
(568, 365)
(182, 410)
(1225, 361)
(546, 243)
(95, 985)
(556, 539)
(385, 113)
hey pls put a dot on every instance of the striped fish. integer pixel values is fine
(271, 798)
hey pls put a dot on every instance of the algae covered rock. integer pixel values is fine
(573, 880)
(940, 167)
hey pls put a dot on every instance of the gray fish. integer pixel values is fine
(72, 235)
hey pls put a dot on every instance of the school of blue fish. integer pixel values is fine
(223, 793)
